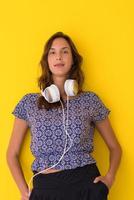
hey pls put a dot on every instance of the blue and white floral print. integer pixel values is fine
(47, 131)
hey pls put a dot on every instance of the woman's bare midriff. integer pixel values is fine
(50, 171)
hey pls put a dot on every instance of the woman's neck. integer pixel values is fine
(59, 82)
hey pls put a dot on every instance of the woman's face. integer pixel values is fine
(60, 58)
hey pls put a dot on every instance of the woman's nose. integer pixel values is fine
(58, 56)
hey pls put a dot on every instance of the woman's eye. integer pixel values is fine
(51, 52)
(65, 51)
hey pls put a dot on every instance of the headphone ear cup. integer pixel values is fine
(71, 87)
(51, 94)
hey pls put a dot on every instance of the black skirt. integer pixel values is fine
(70, 184)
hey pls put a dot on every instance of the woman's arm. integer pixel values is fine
(19, 130)
(105, 129)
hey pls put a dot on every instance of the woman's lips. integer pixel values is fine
(59, 65)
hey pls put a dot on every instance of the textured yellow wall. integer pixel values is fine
(103, 33)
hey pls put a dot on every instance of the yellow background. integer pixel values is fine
(103, 32)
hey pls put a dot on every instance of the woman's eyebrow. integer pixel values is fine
(61, 48)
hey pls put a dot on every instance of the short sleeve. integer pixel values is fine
(20, 109)
(100, 110)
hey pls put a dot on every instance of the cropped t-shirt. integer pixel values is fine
(48, 137)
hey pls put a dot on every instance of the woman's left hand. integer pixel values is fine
(107, 179)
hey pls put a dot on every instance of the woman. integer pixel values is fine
(63, 167)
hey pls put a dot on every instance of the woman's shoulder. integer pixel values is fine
(90, 93)
(31, 96)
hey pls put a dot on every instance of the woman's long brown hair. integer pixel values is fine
(45, 79)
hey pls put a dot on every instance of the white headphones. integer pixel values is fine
(52, 94)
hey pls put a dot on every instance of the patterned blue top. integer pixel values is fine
(47, 130)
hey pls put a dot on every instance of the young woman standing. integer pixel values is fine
(62, 119)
